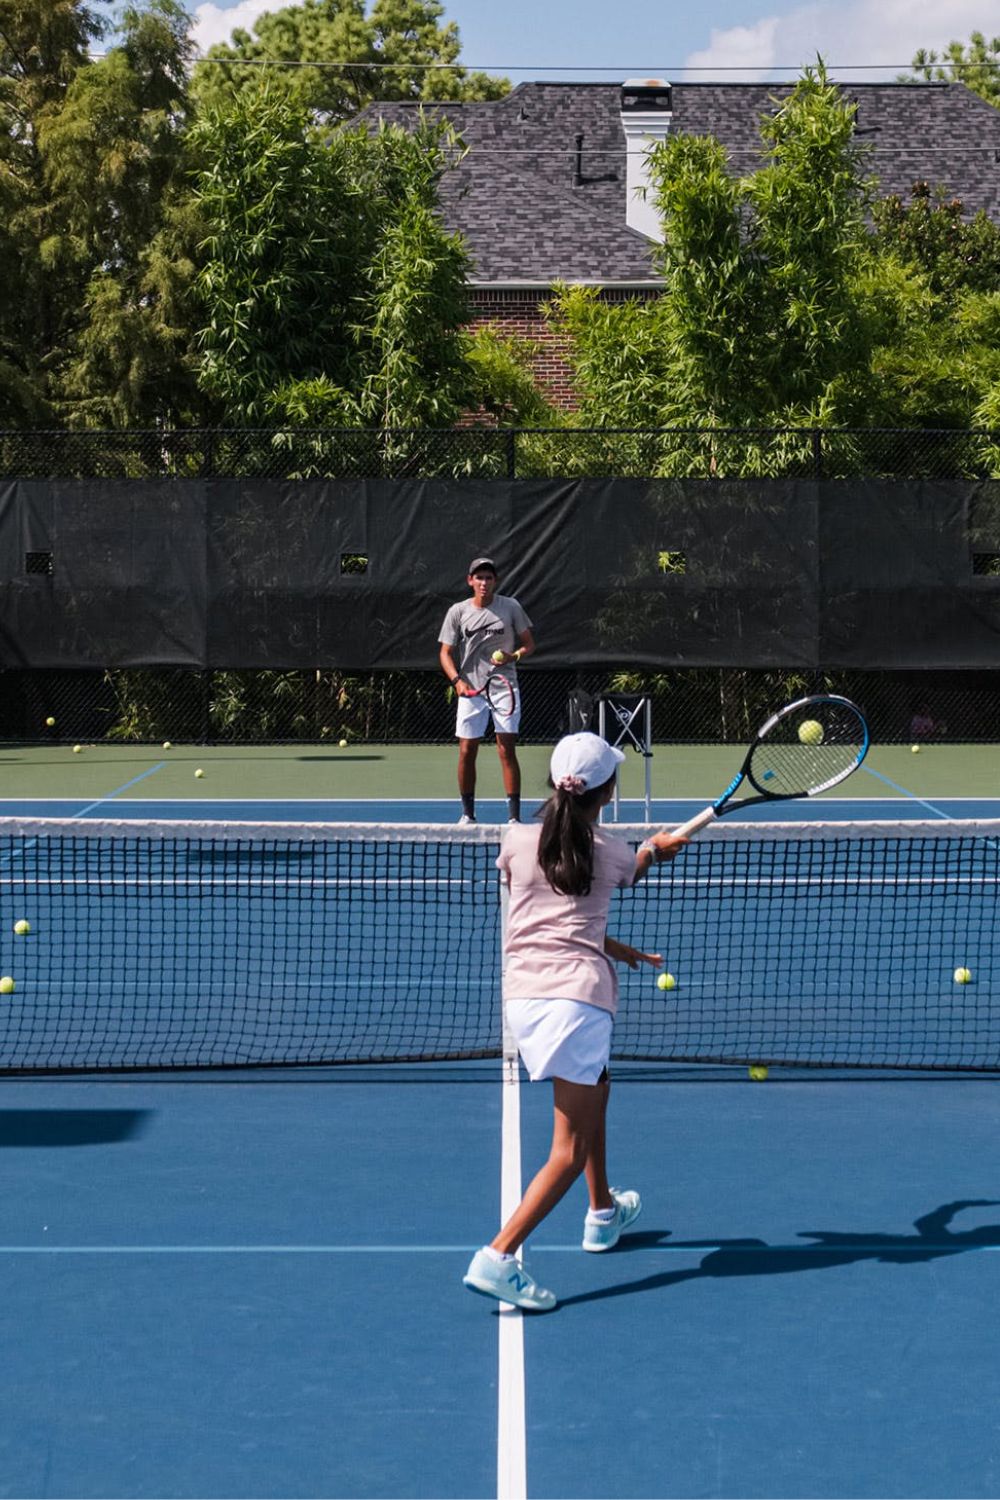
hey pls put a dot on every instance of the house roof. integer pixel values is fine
(526, 219)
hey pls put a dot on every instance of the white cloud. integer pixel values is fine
(886, 32)
(215, 23)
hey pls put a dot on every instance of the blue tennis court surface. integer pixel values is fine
(248, 1284)
(446, 810)
(253, 1289)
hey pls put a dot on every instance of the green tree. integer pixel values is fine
(43, 47)
(770, 313)
(932, 232)
(976, 64)
(113, 158)
(411, 53)
(332, 295)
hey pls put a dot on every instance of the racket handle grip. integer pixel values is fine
(697, 823)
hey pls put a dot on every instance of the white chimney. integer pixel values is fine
(647, 112)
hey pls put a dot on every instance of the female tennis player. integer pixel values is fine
(560, 995)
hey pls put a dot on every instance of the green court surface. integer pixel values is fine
(372, 771)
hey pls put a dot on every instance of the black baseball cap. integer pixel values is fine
(482, 562)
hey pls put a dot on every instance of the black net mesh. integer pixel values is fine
(183, 946)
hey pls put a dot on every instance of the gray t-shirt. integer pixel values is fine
(477, 633)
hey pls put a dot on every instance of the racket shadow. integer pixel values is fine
(932, 1240)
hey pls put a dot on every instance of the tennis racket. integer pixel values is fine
(802, 750)
(498, 690)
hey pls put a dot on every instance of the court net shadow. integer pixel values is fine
(70, 1127)
(933, 1239)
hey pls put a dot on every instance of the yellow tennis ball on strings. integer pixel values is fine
(758, 1073)
(811, 732)
(497, 657)
(22, 928)
(6, 985)
(962, 976)
(666, 982)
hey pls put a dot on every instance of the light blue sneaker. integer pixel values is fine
(601, 1235)
(508, 1281)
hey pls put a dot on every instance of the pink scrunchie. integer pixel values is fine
(573, 784)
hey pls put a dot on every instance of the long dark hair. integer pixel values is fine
(566, 842)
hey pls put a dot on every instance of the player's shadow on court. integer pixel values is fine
(752, 1257)
(70, 1127)
(341, 757)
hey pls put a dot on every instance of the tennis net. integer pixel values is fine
(177, 945)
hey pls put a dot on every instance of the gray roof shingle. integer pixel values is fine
(515, 200)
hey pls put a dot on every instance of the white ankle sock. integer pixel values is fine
(496, 1254)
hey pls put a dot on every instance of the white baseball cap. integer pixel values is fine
(581, 762)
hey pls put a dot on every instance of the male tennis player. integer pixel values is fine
(475, 631)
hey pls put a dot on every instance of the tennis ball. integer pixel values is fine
(77, 749)
(167, 745)
(963, 976)
(50, 722)
(758, 1073)
(811, 732)
(666, 982)
(342, 744)
(199, 774)
(22, 927)
(6, 985)
(914, 749)
(497, 657)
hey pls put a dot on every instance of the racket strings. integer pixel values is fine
(804, 751)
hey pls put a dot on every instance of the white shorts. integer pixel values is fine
(474, 714)
(561, 1038)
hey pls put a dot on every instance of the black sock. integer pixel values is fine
(514, 806)
(469, 804)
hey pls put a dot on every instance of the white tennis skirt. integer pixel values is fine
(561, 1038)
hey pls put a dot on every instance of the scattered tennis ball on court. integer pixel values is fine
(758, 1073)
(167, 745)
(77, 749)
(22, 928)
(6, 985)
(342, 744)
(963, 976)
(497, 657)
(914, 749)
(198, 774)
(50, 723)
(666, 982)
(811, 732)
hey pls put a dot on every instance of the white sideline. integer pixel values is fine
(512, 1461)
(512, 1466)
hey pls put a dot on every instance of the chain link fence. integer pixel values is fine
(696, 706)
(689, 707)
(556, 453)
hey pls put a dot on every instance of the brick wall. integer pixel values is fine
(517, 312)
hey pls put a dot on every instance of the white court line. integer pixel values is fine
(235, 1249)
(917, 1247)
(512, 1461)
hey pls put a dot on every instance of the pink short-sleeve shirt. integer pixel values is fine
(554, 944)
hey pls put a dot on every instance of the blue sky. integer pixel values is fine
(731, 39)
